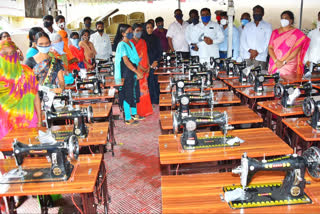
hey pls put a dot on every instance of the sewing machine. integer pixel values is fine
(201, 71)
(228, 64)
(185, 99)
(259, 79)
(215, 66)
(194, 61)
(77, 115)
(106, 65)
(50, 100)
(168, 58)
(311, 108)
(290, 191)
(189, 139)
(181, 84)
(94, 84)
(56, 152)
(289, 93)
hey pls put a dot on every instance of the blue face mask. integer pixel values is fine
(244, 22)
(58, 47)
(75, 42)
(138, 34)
(178, 16)
(44, 49)
(205, 19)
(129, 35)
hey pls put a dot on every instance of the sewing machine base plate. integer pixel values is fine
(61, 135)
(210, 143)
(34, 175)
(207, 114)
(265, 195)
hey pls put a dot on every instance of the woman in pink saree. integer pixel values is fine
(287, 48)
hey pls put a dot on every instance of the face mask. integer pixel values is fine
(138, 34)
(244, 22)
(85, 38)
(100, 30)
(88, 25)
(223, 22)
(43, 49)
(284, 22)
(195, 21)
(218, 18)
(160, 26)
(178, 16)
(75, 42)
(257, 17)
(47, 24)
(58, 47)
(205, 19)
(129, 35)
(61, 25)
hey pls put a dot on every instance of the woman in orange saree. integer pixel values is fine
(287, 48)
(144, 107)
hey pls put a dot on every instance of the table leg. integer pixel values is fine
(88, 203)
(104, 187)
(44, 201)
(269, 119)
(279, 126)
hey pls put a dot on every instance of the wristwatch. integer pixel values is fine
(284, 62)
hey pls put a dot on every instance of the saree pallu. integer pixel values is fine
(18, 89)
(283, 45)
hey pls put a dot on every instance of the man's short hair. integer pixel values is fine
(259, 7)
(99, 23)
(59, 17)
(87, 18)
(159, 19)
(48, 17)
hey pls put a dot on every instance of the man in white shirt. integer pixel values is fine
(191, 34)
(61, 24)
(47, 25)
(244, 20)
(176, 35)
(101, 42)
(313, 53)
(210, 36)
(255, 39)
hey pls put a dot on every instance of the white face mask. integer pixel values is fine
(223, 22)
(61, 25)
(284, 22)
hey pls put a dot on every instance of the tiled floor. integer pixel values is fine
(133, 173)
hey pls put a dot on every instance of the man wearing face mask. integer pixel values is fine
(223, 47)
(192, 35)
(176, 35)
(161, 33)
(47, 24)
(255, 39)
(210, 36)
(101, 42)
(245, 19)
(313, 53)
(61, 24)
(87, 25)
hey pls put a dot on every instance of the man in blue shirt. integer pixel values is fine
(223, 47)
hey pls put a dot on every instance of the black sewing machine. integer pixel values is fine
(181, 84)
(289, 93)
(201, 72)
(57, 153)
(311, 108)
(289, 192)
(77, 115)
(168, 58)
(94, 84)
(259, 79)
(185, 99)
(215, 66)
(189, 139)
(228, 64)
(194, 61)
(106, 65)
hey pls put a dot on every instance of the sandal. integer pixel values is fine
(137, 117)
(131, 122)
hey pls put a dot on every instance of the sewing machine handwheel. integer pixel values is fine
(173, 98)
(73, 147)
(90, 114)
(312, 156)
(175, 123)
(251, 78)
(308, 106)
(278, 90)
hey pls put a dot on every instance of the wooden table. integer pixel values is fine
(167, 71)
(97, 136)
(225, 97)
(236, 115)
(234, 83)
(216, 86)
(84, 180)
(302, 132)
(200, 193)
(250, 97)
(89, 95)
(110, 82)
(258, 141)
(275, 108)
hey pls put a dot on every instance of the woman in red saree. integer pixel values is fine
(287, 48)
(144, 107)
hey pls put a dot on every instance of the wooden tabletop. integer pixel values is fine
(302, 128)
(167, 71)
(98, 133)
(82, 180)
(251, 94)
(234, 83)
(217, 86)
(200, 193)
(276, 108)
(110, 82)
(89, 95)
(258, 141)
(222, 97)
(236, 115)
